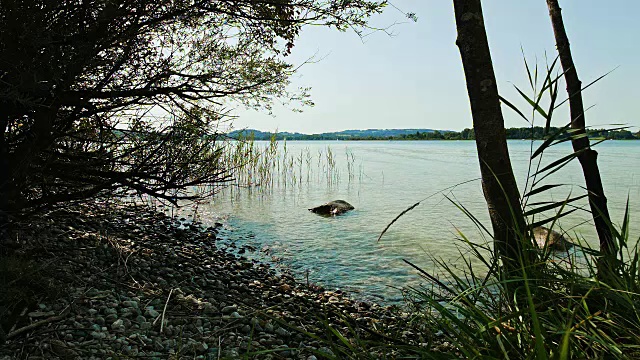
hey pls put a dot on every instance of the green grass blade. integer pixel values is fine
(624, 230)
(553, 205)
(541, 189)
(560, 162)
(526, 66)
(533, 104)
(537, 328)
(470, 215)
(396, 219)
(553, 95)
(431, 277)
(547, 143)
(588, 85)
(341, 337)
(514, 108)
(555, 218)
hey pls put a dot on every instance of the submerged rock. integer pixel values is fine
(553, 239)
(335, 207)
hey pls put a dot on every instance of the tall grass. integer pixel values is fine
(557, 306)
(265, 165)
(560, 310)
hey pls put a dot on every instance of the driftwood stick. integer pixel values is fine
(38, 324)
(164, 310)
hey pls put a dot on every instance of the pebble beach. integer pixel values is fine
(120, 281)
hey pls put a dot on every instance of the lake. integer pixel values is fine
(381, 179)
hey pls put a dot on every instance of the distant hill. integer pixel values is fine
(537, 133)
(339, 135)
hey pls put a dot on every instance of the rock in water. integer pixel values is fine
(335, 207)
(553, 239)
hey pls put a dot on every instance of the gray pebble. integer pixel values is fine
(130, 304)
(282, 332)
(210, 309)
(118, 326)
(229, 309)
(98, 335)
(235, 315)
(152, 313)
(326, 350)
(269, 328)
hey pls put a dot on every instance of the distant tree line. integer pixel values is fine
(536, 133)
(466, 134)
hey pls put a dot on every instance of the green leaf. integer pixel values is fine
(566, 340)
(553, 94)
(541, 189)
(532, 103)
(470, 215)
(344, 340)
(553, 205)
(537, 327)
(396, 219)
(547, 143)
(624, 230)
(548, 83)
(514, 108)
(546, 221)
(526, 66)
(560, 162)
(584, 88)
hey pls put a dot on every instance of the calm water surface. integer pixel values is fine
(387, 177)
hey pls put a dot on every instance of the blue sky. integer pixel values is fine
(414, 79)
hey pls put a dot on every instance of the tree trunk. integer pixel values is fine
(4, 183)
(498, 182)
(588, 157)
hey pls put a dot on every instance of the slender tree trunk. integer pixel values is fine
(498, 182)
(587, 157)
(4, 182)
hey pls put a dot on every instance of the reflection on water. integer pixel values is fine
(389, 177)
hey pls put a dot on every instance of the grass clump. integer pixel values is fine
(558, 310)
(266, 165)
(557, 305)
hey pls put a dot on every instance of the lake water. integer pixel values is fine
(381, 179)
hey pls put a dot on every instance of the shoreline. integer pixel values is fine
(122, 280)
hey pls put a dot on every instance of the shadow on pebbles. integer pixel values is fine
(131, 283)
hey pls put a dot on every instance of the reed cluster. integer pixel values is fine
(264, 165)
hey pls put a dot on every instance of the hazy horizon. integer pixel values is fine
(362, 129)
(346, 129)
(414, 78)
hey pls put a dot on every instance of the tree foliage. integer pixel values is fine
(113, 96)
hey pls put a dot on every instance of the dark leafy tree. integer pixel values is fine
(118, 96)
(467, 134)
